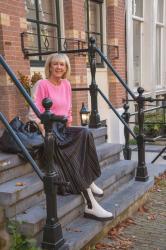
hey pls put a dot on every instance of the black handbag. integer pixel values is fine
(29, 135)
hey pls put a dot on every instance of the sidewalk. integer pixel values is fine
(146, 230)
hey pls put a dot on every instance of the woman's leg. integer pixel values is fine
(93, 209)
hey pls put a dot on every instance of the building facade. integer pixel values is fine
(146, 34)
(35, 26)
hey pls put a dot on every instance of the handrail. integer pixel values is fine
(117, 114)
(147, 110)
(21, 145)
(80, 89)
(115, 73)
(19, 86)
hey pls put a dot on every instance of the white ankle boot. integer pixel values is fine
(96, 190)
(93, 210)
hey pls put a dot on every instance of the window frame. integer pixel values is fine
(38, 22)
(100, 2)
(141, 21)
(160, 26)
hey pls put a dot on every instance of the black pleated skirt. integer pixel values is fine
(75, 157)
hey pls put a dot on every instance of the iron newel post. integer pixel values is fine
(52, 233)
(126, 150)
(94, 116)
(141, 173)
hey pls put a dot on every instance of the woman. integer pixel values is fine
(75, 153)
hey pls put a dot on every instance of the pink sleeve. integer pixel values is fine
(70, 110)
(40, 93)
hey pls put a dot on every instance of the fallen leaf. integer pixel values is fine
(103, 246)
(130, 221)
(143, 209)
(163, 214)
(19, 184)
(152, 217)
(69, 229)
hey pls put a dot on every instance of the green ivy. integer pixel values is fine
(18, 240)
(153, 130)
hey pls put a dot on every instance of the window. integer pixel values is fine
(43, 27)
(93, 23)
(160, 8)
(137, 52)
(137, 11)
(137, 8)
(159, 31)
(158, 55)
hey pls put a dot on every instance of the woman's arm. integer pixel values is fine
(39, 94)
(69, 117)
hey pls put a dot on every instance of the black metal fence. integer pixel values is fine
(153, 124)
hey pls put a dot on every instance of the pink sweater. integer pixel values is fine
(59, 94)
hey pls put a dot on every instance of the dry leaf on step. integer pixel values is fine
(19, 184)
(152, 217)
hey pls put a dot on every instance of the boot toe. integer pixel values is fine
(98, 215)
(94, 217)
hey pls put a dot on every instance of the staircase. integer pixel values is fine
(23, 199)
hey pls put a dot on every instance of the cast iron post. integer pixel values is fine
(141, 173)
(52, 233)
(94, 116)
(126, 149)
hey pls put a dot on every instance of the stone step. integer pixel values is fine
(21, 205)
(108, 153)
(99, 135)
(71, 206)
(15, 190)
(12, 166)
(121, 172)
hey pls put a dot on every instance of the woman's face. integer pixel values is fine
(58, 68)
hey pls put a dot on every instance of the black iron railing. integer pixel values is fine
(153, 134)
(52, 234)
(141, 174)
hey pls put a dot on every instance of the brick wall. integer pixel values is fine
(12, 23)
(74, 28)
(116, 36)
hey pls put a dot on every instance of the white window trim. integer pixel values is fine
(159, 86)
(160, 24)
(138, 17)
(141, 19)
(141, 54)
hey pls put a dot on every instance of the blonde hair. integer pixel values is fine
(57, 57)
